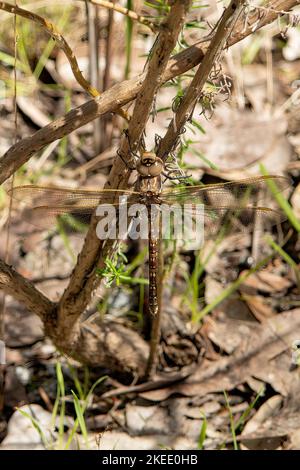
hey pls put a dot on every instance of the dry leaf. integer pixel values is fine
(245, 139)
(263, 351)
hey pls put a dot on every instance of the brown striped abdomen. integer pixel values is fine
(153, 276)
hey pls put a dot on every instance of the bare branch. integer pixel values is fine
(84, 279)
(107, 344)
(108, 101)
(159, 56)
(51, 29)
(113, 346)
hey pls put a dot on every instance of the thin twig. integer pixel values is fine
(15, 284)
(119, 95)
(109, 59)
(125, 11)
(84, 279)
(51, 29)
(267, 9)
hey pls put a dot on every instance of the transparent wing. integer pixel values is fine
(186, 222)
(229, 207)
(228, 194)
(71, 220)
(233, 203)
(52, 196)
(71, 209)
(209, 220)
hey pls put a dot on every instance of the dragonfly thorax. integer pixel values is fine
(149, 186)
(150, 165)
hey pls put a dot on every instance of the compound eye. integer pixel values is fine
(148, 159)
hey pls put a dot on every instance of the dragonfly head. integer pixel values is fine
(150, 165)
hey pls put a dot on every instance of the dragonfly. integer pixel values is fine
(212, 202)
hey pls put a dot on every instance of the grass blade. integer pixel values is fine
(282, 201)
(202, 434)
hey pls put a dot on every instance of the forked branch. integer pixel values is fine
(109, 344)
(84, 278)
(122, 93)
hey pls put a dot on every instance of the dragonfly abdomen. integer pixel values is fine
(153, 277)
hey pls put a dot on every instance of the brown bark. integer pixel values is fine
(24, 291)
(121, 94)
(84, 280)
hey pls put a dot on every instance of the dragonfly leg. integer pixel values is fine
(172, 178)
(127, 163)
(135, 155)
(157, 141)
